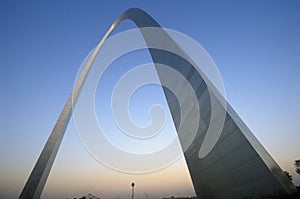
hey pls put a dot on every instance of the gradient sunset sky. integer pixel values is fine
(255, 45)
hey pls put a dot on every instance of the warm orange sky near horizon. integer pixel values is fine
(84, 174)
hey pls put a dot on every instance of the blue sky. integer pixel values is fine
(256, 46)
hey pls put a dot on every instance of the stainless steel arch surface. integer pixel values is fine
(215, 176)
(38, 177)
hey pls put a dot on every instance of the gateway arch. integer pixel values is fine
(237, 165)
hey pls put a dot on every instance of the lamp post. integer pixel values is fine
(132, 193)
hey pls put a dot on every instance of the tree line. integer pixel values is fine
(297, 169)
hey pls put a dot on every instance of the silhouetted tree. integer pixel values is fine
(288, 175)
(297, 166)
